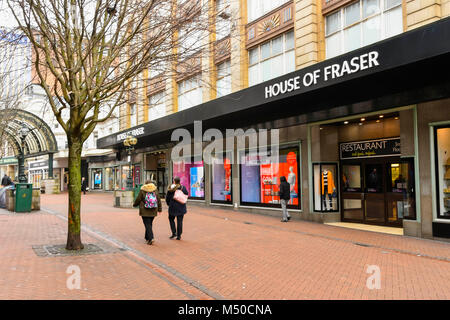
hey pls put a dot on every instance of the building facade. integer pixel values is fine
(359, 91)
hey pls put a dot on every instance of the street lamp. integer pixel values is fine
(23, 132)
(129, 143)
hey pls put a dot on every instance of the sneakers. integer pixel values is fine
(173, 236)
(178, 238)
(289, 218)
(150, 242)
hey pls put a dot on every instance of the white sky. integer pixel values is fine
(6, 19)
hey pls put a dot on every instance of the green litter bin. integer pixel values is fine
(137, 188)
(24, 197)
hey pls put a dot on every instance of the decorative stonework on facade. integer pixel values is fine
(270, 25)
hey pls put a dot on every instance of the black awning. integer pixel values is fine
(409, 68)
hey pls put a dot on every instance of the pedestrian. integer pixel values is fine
(285, 196)
(6, 181)
(83, 185)
(177, 207)
(149, 204)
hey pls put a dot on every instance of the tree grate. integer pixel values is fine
(60, 250)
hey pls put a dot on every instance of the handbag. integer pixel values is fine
(180, 197)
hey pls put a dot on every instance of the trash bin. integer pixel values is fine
(137, 188)
(24, 197)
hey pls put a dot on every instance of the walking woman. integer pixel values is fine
(149, 204)
(177, 207)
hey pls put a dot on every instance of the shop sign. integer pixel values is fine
(10, 160)
(329, 72)
(135, 133)
(39, 164)
(370, 148)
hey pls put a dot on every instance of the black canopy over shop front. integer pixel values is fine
(406, 69)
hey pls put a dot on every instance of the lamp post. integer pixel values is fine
(23, 132)
(129, 144)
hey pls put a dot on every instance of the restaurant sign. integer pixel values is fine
(370, 148)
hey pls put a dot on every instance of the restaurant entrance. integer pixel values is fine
(377, 191)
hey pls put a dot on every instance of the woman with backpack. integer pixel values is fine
(176, 199)
(149, 204)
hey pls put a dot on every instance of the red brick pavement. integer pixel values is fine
(221, 252)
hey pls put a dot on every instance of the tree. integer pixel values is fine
(90, 56)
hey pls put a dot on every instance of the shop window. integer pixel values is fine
(351, 178)
(191, 176)
(223, 79)
(260, 178)
(326, 195)
(109, 179)
(97, 179)
(125, 173)
(258, 8)
(221, 178)
(442, 155)
(189, 93)
(401, 186)
(362, 23)
(272, 59)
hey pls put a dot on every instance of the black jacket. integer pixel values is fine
(84, 185)
(285, 191)
(6, 181)
(175, 208)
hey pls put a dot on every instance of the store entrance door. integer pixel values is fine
(377, 191)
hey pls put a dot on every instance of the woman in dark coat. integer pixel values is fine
(148, 214)
(176, 209)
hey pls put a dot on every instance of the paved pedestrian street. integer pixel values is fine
(223, 254)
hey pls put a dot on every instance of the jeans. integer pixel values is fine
(178, 230)
(148, 223)
(285, 212)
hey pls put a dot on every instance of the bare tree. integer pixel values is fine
(90, 56)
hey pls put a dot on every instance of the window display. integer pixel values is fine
(442, 153)
(221, 179)
(260, 178)
(325, 187)
(191, 176)
(97, 175)
(351, 178)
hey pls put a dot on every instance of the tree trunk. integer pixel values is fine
(74, 210)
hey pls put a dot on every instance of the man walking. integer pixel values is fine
(83, 185)
(285, 196)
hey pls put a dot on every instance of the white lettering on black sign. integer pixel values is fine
(136, 132)
(334, 71)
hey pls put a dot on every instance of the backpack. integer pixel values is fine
(150, 200)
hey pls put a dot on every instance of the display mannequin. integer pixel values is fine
(291, 180)
(328, 188)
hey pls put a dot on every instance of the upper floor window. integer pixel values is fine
(362, 23)
(258, 8)
(189, 93)
(223, 79)
(133, 119)
(191, 38)
(272, 59)
(223, 19)
(157, 107)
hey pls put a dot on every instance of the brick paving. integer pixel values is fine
(223, 254)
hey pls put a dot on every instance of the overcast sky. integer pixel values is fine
(6, 19)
